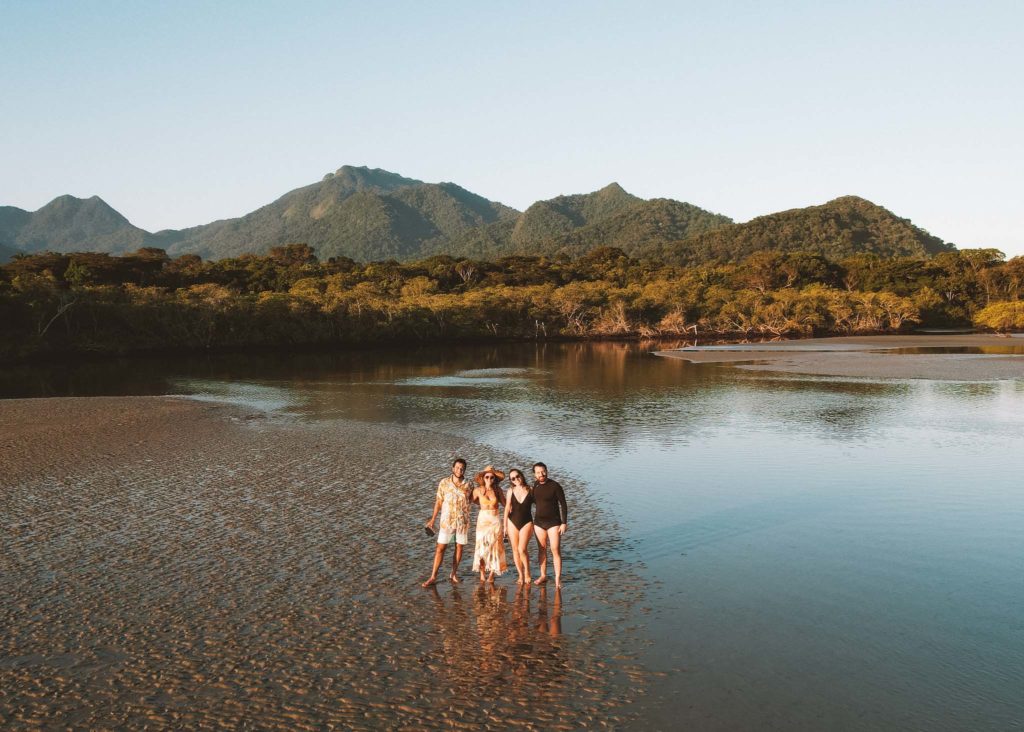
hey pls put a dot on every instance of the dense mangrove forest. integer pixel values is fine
(83, 303)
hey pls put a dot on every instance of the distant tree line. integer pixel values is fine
(98, 303)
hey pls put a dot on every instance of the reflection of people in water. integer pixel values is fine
(459, 648)
(491, 608)
(489, 552)
(519, 522)
(452, 502)
(550, 522)
(552, 625)
(503, 639)
(522, 651)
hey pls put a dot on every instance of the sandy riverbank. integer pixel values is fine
(873, 357)
(170, 563)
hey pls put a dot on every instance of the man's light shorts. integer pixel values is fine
(443, 537)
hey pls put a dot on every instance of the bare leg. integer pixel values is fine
(455, 564)
(438, 558)
(513, 539)
(524, 546)
(556, 553)
(542, 554)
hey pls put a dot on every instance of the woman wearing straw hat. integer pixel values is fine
(489, 551)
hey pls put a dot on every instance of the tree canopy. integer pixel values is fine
(95, 302)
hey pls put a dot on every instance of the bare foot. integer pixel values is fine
(430, 582)
(490, 577)
(519, 581)
(558, 584)
(454, 578)
(540, 580)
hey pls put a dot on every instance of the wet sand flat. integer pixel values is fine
(174, 564)
(873, 357)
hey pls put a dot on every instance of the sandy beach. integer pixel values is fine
(980, 357)
(171, 563)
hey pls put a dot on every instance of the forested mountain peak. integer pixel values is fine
(558, 216)
(361, 177)
(68, 223)
(370, 214)
(70, 208)
(850, 200)
(839, 228)
(357, 212)
(642, 226)
(614, 192)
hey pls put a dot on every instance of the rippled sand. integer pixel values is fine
(869, 357)
(168, 563)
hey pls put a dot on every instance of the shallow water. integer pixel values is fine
(186, 564)
(816, 552)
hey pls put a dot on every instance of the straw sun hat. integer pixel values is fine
(489, 469)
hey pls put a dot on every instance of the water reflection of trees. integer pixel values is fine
(612, 394)
(615, 393)
(608, 393)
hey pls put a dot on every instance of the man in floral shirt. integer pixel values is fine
(453, 503)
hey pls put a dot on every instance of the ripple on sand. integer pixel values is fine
(165, 565)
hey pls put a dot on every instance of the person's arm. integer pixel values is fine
(437, 507)
(563, 509)
(508, 508)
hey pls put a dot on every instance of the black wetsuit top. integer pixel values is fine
(520, 514)
(550, 501)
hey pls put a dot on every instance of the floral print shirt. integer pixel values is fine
(454, 505)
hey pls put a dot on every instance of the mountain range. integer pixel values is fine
(370, 214)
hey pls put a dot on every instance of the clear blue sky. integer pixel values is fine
(179, 113)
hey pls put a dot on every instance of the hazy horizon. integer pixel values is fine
(178, 116)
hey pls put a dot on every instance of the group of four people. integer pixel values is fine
(538, 510)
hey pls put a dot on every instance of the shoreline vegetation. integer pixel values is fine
(82, 304)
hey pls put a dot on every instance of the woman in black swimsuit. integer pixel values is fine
(519, 522)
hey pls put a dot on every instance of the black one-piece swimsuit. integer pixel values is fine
(519, 514)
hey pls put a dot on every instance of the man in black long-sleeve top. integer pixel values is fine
(549, 522)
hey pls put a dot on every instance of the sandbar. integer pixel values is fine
(969, 357)
(170, 563)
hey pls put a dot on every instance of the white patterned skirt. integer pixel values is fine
(489, 552)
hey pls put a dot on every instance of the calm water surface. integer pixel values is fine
(821, 553)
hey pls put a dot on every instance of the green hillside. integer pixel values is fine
(69, 224)
(360, 213)
(371, 215)
(297, 216)
(12, 219)
(559, 216)
(6, 253)
(640, 228)
(837, 229)
(575, 225)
